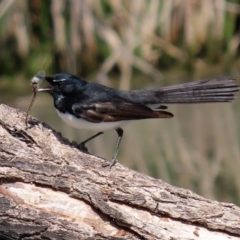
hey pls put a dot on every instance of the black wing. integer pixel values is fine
(114, 112)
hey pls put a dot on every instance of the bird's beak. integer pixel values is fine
(46, 89)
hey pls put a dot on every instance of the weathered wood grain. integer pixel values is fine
(51, 190)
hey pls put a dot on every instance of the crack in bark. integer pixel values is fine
(19, 134)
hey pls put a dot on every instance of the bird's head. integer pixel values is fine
(62, 84)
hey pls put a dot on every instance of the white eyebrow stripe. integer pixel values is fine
(59, 80)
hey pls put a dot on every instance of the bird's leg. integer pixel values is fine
(82, 144)
(114, 159)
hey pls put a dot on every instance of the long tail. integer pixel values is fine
(203, 91)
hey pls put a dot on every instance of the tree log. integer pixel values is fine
(51, 190)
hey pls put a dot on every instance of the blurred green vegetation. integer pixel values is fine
(105, 37)
(136, 44)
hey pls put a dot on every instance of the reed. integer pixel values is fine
(80, 36)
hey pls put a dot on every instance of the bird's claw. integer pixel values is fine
(110, 163)
(83, 148)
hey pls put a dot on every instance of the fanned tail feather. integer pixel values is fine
(203, 91)
(213, 90)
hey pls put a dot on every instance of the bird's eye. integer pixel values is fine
(59, 84)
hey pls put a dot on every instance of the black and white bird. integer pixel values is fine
(99, 108)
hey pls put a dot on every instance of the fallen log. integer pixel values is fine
(49, 189)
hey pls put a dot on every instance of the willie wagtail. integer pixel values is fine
(96, 107)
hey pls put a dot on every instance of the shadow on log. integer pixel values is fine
(51, 190)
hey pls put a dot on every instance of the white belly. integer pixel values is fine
(83, 124)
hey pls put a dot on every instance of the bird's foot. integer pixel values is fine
(81, 147)
(110, 163)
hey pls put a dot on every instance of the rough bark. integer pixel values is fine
(49, 189)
